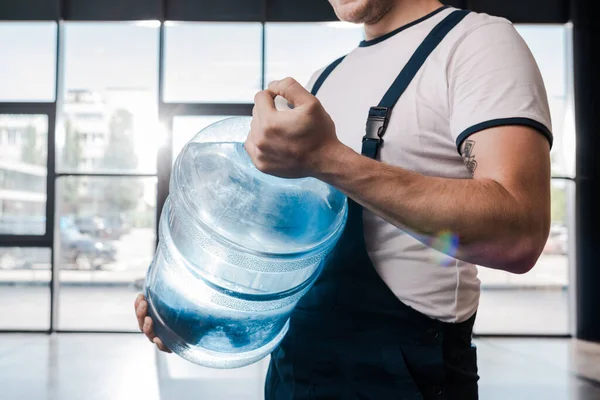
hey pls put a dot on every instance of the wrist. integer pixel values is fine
(333, 163)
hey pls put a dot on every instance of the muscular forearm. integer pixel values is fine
(493, 228)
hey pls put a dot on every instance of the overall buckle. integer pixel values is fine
(377, 123)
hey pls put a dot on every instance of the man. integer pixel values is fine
(456, 175)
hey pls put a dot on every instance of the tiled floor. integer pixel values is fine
(126, 367)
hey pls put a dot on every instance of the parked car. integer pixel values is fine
(84, 251)
(107, 227)
(93, 226)
(116, 226)
(76, 249)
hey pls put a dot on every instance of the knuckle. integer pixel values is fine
(291, 85)
(288, 81)
(313, 104)
(257, 96)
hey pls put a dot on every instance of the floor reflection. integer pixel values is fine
(125, 366)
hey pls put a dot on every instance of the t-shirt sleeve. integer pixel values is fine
(495, 81)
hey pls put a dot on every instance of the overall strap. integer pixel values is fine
(325, 74)
(379, 116)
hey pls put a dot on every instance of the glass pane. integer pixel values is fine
(187, 126)
(23, 170)
(28, 66)
(299, 49)
(212, 62)
(549, 45)
(24, 288)
(107, 240)
(109, 111)
(536, 302)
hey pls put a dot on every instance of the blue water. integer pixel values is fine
(217, 331)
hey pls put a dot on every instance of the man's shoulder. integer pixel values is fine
(482, 25)
(480, 36)
(475, 20)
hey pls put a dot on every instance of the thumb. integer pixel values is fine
(292, 91)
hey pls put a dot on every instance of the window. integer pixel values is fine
(28, 67)
(117, 100)
(538, 302)
(212, 62)
(23, 174)
(186, 127)
(300, 49)
(107, 122)
(106, 243)
(548, 43)
(24, 288)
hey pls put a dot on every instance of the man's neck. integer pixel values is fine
(401, 13)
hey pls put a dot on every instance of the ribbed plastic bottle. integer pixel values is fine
(237, 249)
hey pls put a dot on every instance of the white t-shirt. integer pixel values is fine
(481, 75)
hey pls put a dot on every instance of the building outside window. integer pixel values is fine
(23, 174)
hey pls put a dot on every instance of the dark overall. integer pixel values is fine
(350, 337)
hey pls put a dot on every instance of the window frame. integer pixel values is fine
(29, 240)
(166, 114)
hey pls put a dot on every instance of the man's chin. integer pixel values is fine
(359, 11)
(352, 17)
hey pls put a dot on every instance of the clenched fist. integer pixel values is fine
(294, 143)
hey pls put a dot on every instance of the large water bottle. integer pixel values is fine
(237, 250)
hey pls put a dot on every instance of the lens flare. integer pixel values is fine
(446, 243)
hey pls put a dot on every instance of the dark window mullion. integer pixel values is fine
(206, 109)
(107, 174)
(28, 108)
